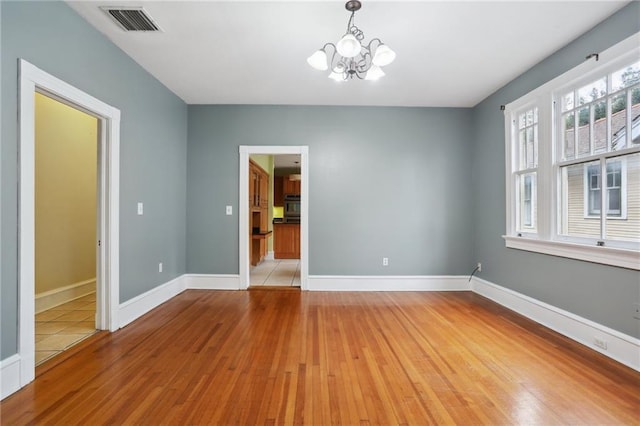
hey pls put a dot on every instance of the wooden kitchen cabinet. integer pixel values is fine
(278, 191)
(259, 212)
(291, 186)
(258, 186)
(286, 240)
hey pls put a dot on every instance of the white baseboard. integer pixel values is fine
(620, 347)
(387, 283)
(270, 255)
(9, 376)
(52, 298)
(140, 305)
(134, 308)
(212, 282)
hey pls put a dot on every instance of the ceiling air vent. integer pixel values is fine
(131, 18)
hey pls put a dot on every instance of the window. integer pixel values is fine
(573, 146)
(614, 189)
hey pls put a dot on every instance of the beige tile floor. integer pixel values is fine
(59, 328)
(278, 272)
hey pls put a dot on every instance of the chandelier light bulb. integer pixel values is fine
(318, 60)
(374, 73)
(384, 55)
(348, 46)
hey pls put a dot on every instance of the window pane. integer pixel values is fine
(626, 77)
(530, 147)
(584, 132)
(618, 109)
(623, 198)
(527, 209)
(579, 194)
(521, 121)
(529, 117)
(600, 126)
(594, 199)
(567, 102)
(592, 91)
(568, 144)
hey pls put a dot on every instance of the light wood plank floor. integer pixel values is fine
(288, 357)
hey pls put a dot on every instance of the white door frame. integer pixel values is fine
(32, 80)
(245, 152)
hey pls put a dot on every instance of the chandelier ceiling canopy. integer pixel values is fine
(350, 57)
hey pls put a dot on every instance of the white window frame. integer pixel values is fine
(547, 239)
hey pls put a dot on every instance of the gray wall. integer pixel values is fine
(153, 145)
(600, 293)
(391, 182)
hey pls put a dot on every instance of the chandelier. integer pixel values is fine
(350, 57)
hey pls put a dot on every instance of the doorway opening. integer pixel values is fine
(274, 229)
(66, 216)
(262, 262)
(34, 81)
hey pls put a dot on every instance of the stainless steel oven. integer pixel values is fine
(292, 206)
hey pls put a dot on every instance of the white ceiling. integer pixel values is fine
(449, 53)
(287, 161)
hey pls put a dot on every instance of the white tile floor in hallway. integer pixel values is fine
(61, 327)
(278, 272)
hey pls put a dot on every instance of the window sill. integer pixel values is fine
(605, 255)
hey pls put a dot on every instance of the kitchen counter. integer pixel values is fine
(260, 235)
(278, 222)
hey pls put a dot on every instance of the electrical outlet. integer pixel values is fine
(140, 209)
(385, 261)
(602, 344)
(479, 267)
(229, 210)
(636, 310)
(160, 267)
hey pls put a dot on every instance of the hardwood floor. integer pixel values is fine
(288, 357)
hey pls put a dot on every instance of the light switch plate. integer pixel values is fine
(140, 209)
(229, 210)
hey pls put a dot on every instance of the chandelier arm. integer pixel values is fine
(379, 42)
(331, 59)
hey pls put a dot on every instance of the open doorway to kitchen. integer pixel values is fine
(264, 260)
(33, 83)
(275, 220)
